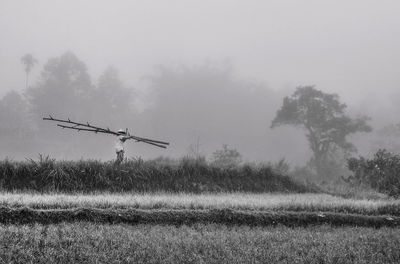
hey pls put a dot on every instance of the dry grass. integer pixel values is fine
(234, 201)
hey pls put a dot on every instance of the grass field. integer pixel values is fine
(197, 228)
(96, 243)
(188, 209)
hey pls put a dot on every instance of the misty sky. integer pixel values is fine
(349, 47)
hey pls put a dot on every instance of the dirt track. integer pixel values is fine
(188, 217)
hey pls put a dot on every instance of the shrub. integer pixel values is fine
(381, 173)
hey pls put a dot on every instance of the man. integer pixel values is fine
(119, 146)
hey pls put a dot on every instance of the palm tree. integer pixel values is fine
(29, 61)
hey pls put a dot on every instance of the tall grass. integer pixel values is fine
(49, 175)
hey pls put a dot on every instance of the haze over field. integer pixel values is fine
(226, 65)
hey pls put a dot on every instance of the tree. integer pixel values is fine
(113, 100)
(16, 126)
(14, 115)
(64, 88)
(323, 118)
(29, 61)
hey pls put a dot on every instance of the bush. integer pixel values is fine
(137, 175)
(381, 173)
(227, 157)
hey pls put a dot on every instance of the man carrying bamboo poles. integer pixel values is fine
(122, 135)
(119, 146)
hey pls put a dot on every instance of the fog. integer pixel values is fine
(202, 73)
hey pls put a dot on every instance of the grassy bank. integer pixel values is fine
(234, 201)
(94, 243)
(191, 217)
(186, 175)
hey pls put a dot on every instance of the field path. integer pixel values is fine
(187, 217)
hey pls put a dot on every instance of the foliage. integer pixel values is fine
(382, 172)
(15, 118)
(281, 166)
(111, 99)
(64, 87)
(226, 157)
(141, 176)
(323, 118)
(103, 243)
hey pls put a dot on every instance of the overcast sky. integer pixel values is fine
(349, 47)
